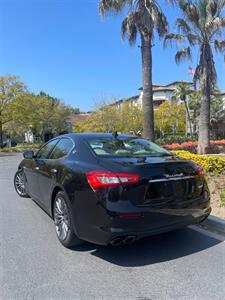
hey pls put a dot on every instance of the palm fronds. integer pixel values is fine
(206, 71)
(193, 39)
(173, 38)
(211, 8)
(129, 28)
(219, 45)
(183, 54)
(106, 6)
(192, 13)
(157, 17)
(182, 26)
(143, 16)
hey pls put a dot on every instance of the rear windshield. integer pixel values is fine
(129, 147)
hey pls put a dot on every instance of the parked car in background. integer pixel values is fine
(112, 189)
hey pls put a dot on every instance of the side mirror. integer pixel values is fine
(29, 154)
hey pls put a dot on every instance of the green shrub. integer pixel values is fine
(212, 164)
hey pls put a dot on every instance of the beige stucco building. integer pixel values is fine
(161, 93)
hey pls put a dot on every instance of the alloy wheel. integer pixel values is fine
(61, 218)
(20, 183)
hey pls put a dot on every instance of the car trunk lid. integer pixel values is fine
(164, 181)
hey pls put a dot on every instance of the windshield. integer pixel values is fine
(128, 147)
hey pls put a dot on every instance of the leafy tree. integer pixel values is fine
(131, 119)
(143, 18)
(105, 119)
(217, 110)
(51, 114)
(201, 25)
(10, 89)
(41, 112)
(170, 118)
(75, 111)
(126, 118)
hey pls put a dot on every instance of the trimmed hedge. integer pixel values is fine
(212, 164)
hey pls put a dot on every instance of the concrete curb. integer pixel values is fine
(214, 224)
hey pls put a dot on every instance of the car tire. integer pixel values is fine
(62, 216)
(19, 184)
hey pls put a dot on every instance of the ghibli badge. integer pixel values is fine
(173, 175)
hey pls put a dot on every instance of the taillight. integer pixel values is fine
(199, 171)
(103, 179)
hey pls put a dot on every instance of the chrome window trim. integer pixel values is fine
(72, 149)
(56, 138)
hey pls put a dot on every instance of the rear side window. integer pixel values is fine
(62, 149)
(46, 149)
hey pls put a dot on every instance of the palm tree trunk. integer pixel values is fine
(204, 119)
(207, 80)
(147, 100)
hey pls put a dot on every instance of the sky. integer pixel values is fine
(63, 47)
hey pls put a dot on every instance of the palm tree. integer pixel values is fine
(201, 25)
(182, 92)
(216, 108)
(143, 18)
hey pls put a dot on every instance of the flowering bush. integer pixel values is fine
(191, 146)
(212, 164)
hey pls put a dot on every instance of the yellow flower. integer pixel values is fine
(209, 163)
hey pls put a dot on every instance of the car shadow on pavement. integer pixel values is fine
(155, 249)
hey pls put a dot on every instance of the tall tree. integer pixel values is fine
(126, 118)
(182, 92)
(201, 25)
(41, 112)
(217, 110)
(10, 88)
(170, 118)
(143, 18)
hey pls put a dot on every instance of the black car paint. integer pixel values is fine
(96, 214)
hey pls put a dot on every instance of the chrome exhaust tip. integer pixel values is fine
(117, 241)
(129, 239)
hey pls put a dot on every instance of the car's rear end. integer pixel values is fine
(145, 195)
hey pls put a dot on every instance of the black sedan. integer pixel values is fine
(112, 189)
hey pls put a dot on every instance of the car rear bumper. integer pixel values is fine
(151, 222)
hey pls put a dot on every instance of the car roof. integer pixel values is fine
(91, 135)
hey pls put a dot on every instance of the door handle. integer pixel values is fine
(54, 171)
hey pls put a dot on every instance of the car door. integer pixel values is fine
(32, 172)
(52, 168)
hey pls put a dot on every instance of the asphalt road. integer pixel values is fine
(185, 264)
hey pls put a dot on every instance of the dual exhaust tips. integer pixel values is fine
(123, 240)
